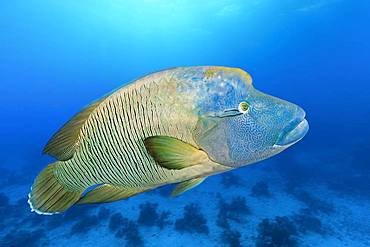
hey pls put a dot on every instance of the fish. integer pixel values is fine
(176, 126)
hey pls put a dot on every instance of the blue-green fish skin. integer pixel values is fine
(228, 136)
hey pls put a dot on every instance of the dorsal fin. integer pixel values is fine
(64, 142)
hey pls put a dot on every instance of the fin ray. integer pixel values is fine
(48, 196)
(186, 185)
(108, 193)
(64, 142)
(173, 153)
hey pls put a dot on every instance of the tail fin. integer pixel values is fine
(48, 196)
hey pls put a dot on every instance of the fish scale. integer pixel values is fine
(175, 126)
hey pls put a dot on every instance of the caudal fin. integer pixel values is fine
(48, 196)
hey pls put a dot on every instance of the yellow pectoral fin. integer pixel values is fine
(186, 185)
(172, 153)
(108, 193)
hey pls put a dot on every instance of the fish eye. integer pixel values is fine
(243, 107)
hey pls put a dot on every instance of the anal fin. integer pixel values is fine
(108, 193)
(186, 185)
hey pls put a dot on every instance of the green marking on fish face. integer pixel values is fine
(209, 89)
(238, 125)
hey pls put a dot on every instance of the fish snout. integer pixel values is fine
(295, 130)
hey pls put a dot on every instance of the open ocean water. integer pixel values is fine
(58, 56)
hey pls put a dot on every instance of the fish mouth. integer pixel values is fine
(293, 133)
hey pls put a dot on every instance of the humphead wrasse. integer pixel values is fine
(175, 126)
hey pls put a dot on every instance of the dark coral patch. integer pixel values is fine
(129, 230)
(306, 222)
(230, 179)
(231, 238)
(23, 238)
(163, 219)
(148, 215)
(85, 225)
(192, 221)
(314, 204)
(235, 210)
(260, 189)
(103, 214)
(116, 220)
(280, 232)
(77, 212)
(4, 200)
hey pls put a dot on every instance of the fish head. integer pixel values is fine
(240, 125)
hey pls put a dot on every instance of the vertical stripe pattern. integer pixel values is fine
(111, 148)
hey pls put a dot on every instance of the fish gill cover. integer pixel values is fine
(58, 56)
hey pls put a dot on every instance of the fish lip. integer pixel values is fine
(293, 133)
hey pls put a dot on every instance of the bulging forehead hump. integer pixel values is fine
(214, 88)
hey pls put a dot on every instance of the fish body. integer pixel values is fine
(174, 126)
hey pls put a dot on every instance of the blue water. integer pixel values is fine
(57, 56)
